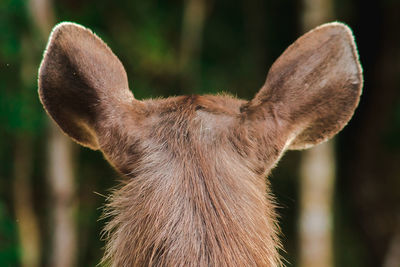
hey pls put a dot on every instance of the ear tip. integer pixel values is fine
(59, 30)
(62, 29)
(344, 34)
(67, 25)
(336, 24)
(338, 28)
(64, 36)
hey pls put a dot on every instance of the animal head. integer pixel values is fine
(195, 166)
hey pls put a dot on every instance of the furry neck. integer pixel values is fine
(192, 212)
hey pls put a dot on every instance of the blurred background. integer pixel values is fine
(339, 203)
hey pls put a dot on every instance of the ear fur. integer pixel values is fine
(79, 80)
(313, 88)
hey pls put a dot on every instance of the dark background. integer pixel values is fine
(239, 41)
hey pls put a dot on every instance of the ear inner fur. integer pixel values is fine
(81, 80)
(314, 86)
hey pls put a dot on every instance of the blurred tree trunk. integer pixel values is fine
(317, 174)
(60, 166)
(28, 227)
(316, 193)
(392, 257)
(61, 179)
(27, 218)
(191, 41)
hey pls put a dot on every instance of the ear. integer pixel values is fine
(313, 88)
(80, 82)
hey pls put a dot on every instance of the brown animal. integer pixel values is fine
(195, 192)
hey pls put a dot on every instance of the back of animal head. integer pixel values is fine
(195, 165)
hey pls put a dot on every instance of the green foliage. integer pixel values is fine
(8, 238)
(19, 108)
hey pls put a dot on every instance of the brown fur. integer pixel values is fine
(195, 192)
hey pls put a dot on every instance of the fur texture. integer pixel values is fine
(194, 167)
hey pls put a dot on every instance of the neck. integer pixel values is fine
(192, 212)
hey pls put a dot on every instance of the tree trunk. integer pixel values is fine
(191, 41)
(63, 203)
(392, 258)
(316, 193)
(317, 175)
(28, 228)
(60, 166)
